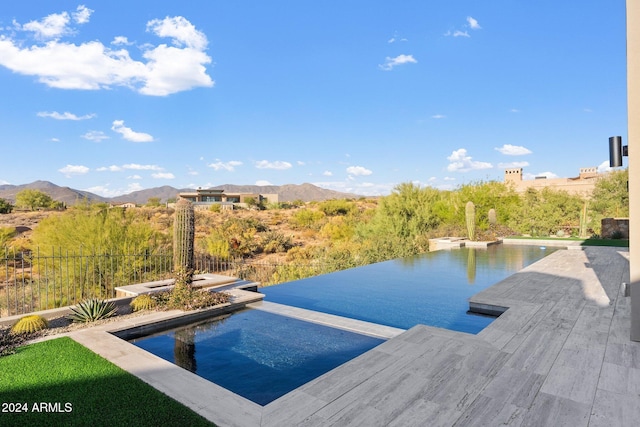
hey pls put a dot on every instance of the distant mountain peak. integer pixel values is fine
(286, 193)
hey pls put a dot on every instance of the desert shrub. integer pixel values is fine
(307, 219)
(91, 310)
(235, 237)
(5, 206)
(29, 324)
(337, 229)
(6, 234)
(276, 242)
(337, 207)
(143, 302)
(185, 297)
(216, 207)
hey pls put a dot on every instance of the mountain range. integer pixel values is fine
(286, 193)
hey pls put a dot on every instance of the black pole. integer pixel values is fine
(615, 151)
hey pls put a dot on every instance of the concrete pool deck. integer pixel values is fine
(560, 355)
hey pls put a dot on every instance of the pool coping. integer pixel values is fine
(526, 367)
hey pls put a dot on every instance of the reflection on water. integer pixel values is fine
(471, 266)
(431, 289)
(256, 354)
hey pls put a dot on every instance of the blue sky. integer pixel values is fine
(356, 96)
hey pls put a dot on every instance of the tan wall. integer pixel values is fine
(582, 185)
(633, 123)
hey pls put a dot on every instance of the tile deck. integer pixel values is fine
(560, 355)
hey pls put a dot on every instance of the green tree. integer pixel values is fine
(610, 196)
(5, 206)
(108, 248)
(153, 202)
(547, 211)
(33, 199)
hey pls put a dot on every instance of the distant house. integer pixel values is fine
(124, 205)
(582, 185)
(204, 198)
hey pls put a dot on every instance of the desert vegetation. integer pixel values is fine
(296, 240)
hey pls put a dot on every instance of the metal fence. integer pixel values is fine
(39, 280)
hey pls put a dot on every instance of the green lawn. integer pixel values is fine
(72, 386)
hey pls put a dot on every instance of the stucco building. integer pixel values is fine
(203, 198)
(583, 184)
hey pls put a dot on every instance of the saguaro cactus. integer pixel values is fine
(184, 230)
(470, 216)
(492, 217)
(583, 221)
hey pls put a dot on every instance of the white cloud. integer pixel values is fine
(180, 30)
(163, 175)
(513, 150)
(228, 166)
(390, 63)
(134, 166)
(93, 66)
(95, 136)
(514, 110)
(513, 165)
(461, 162)
(121, 40)
(49, 27)
(300, 163)
(55, 140)
(458, 33)
(604, 167)
(134, 177)
(263, 182)
(473, 23)
(438, 116)
(327, 173)
(64, 116)
(278, 165)
(129, 134)
(82, 14)
(70, 170)
(112, 168)
(358, 171)
(448, 178)
(396, 38)
(360, 188)
(105, 191)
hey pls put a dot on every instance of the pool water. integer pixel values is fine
(262, 356)
(431, 289)
(258, 355)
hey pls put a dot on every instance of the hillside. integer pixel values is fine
(286, 193)
(62, 194)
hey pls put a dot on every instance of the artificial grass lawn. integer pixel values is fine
(80, 388)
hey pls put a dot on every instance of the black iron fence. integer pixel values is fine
(38, 280)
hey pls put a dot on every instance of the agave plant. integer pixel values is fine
(91, 310)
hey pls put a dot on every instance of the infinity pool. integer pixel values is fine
(431, 289)
(262, 356)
